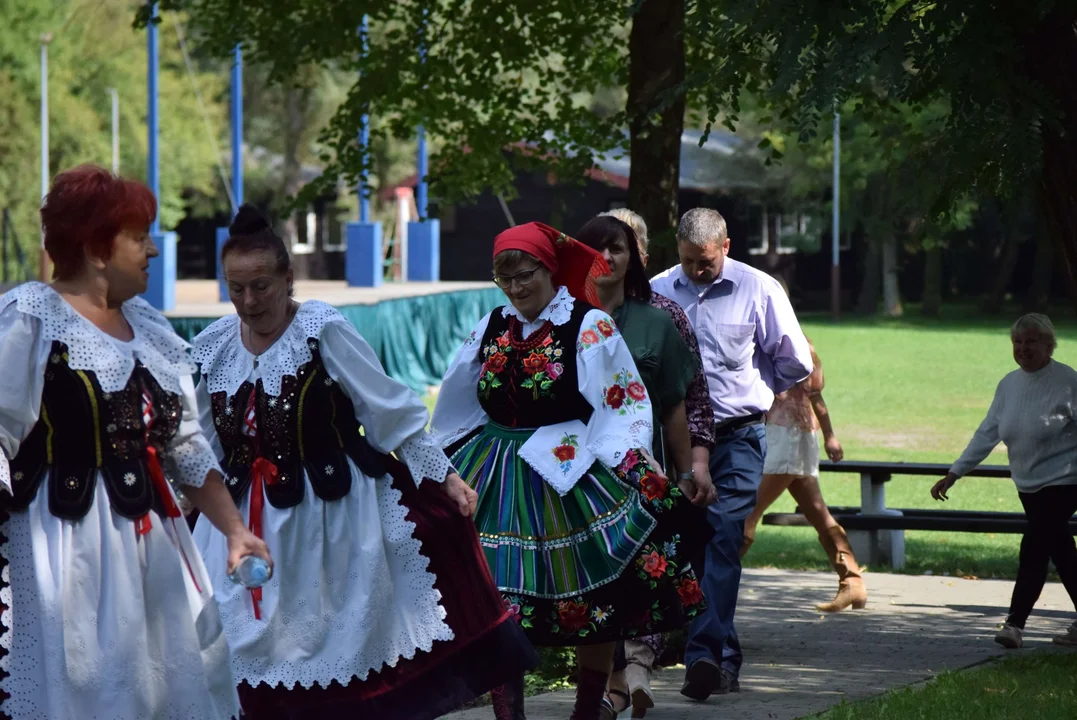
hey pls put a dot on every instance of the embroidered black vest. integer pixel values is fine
(532, 382)
(310, 426)
(81, 431)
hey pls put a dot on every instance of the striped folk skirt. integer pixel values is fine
(607, 561)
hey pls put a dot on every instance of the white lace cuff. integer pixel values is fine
(5, 474)
(444, 439)
(424, 458)
(611, 449)
(189, 462)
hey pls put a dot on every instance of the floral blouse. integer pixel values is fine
(605, 377)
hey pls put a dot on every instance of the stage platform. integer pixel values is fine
(198, 298)
(415, 328)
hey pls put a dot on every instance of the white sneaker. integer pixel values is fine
(1009, 636)
(1069, 639)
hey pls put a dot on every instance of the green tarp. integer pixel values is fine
(415, 338)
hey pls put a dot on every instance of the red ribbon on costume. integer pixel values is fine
(263, 472)
(172, 511)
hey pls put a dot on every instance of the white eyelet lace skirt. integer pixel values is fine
(350, 591)
(106, 623)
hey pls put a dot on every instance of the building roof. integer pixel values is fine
(722, 164)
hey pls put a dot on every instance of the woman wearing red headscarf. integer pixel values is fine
(586, 539)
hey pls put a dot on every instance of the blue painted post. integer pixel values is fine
(424, 237)
(161, 287)
(237, 127)
(364, 134)
(363, 258)
(237, 163)
(422, 163)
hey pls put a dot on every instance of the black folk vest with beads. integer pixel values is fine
(81, 431)
(534, 381)
(310, 426)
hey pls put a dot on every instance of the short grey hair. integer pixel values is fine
(633, 220)
(701, 227)
(1037, 322)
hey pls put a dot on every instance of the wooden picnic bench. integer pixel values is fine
(877, 532)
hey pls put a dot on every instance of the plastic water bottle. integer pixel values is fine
(252, 572)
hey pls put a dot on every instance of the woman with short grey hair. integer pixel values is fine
(1035, 414)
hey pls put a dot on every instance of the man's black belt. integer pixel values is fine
(729, 426)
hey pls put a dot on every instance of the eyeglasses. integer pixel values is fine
(522, 278)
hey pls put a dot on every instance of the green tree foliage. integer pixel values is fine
(1003, 68)
(492, 75)
(985, 90)
(94, 48)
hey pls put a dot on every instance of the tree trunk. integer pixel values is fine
(932, 303)
(1039, 295)
(1011, 246)
(292, 176)
(774, 239)
(891, 291)
(1051, 57)
(656, 66)
(872, 280)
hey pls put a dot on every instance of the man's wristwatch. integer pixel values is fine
(686, 476)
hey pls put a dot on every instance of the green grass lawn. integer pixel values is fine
(912, 390)
(1034, 685)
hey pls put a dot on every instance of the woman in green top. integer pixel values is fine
(663, 359)
(661, 355)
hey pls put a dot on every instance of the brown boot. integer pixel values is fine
(851, 589)
(508, 700)
(590, 695)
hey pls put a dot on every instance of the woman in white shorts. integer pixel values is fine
(792, 463)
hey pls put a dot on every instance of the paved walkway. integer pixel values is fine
(799, 662)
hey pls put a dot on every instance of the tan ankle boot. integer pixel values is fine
(851, 590)
(638, 676)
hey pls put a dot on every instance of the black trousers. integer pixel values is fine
(1048, 539)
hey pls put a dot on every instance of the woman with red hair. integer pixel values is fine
(587, 540)
(109, 611)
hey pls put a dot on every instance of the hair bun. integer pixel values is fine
(249, 220)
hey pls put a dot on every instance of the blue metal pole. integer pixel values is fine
(424, 237)
(237, 128)
(161, 285)
(153, 174)
(364, 258)
(364, 136)
(420, 186)
(421, 161)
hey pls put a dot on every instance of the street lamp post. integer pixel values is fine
(43, 265)
(835, 231)
(115, 130)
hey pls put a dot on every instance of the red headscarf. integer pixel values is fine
(571, 263)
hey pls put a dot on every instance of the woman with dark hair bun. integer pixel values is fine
(109, 611)
(381, 605)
